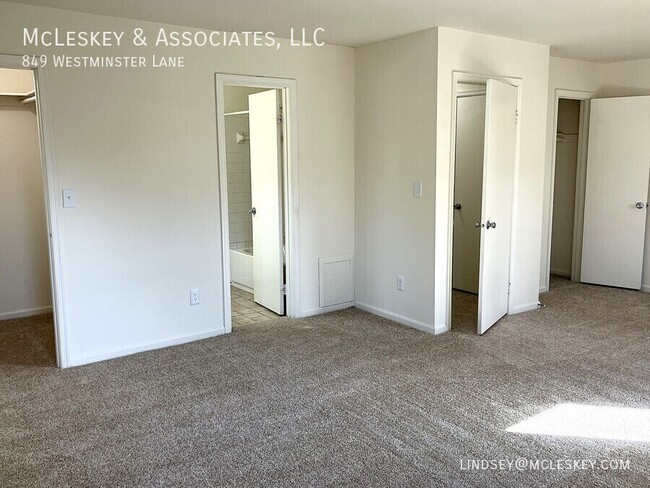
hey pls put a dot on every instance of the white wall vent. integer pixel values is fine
(336, 276)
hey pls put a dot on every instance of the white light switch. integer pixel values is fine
(69, 199)
(417, 189)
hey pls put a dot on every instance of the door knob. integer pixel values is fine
(457, 206)
(478, 225)
(253, 211)
(491, 225)
(640, 205)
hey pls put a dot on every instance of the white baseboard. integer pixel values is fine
(28, 312)
(543, 289)
(440, 329)
(561, 272)
(416, 324)
(645, 288)
(319, 311)
(174, 341)
(242, 287)
(523, 308)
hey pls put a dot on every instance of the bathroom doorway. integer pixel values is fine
(254, 125)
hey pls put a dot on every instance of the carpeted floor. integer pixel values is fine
(341, 399)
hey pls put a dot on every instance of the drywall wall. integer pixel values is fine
(564, 194)
(238, 163)
(24, 261)
(460, 51)
(16, 82)
(139, 146)
(395, 146)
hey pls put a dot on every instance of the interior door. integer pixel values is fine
(470, 134)
(616, 193)
(266, 196)
(498, 182)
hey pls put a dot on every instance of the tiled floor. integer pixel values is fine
(245, 311)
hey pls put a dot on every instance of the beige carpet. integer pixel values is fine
(344, 399)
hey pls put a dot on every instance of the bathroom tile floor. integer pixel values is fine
(245, 311)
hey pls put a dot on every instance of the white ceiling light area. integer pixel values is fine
(589, 30)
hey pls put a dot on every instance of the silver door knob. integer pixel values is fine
(253, 211)
(478, 225)
(491, 225)
(640, 205)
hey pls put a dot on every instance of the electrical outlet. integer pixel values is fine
(400, 283)
(195, 298)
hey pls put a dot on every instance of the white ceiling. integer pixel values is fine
(591, 30)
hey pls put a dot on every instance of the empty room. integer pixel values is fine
(306, 243)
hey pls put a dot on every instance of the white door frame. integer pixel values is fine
(48, 165)
(464, 77)
(581, 178)
(291, 187)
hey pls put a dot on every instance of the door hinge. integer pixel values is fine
(284, 289)
(509, 287)
(516, 117)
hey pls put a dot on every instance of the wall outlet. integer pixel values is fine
(195, 298)
(400, 283)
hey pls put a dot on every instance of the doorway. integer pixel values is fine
(483, 174)
(30, 296)
(567, 194)
(256, 134)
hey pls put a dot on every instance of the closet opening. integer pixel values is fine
(26, 320)
(468, 191)
(569, 180)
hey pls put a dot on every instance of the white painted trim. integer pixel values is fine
(291, 182)
(48, 164)
(241, 287)
(147, 346)
(324, 310)
(441, 329)
(584, 97)
(543, 289)
(464, 77)
(28, 312)
(400, 319)
(523, 308)
(645, 288)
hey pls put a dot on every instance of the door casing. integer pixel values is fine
(465, 77)
(291, 187)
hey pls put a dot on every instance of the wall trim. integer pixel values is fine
(324, 310)
(400, 319)
(148, 346)
(523, 308)
(28, 312)
(645, 288)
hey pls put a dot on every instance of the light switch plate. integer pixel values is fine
(417, 189)
(69, 199)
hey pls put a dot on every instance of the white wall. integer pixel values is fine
(499, 57)
(238, 163)
(24, 260)
(139, 146)
(564, 193)
(16, 82)
(395, 126)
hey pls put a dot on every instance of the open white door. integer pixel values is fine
(498, 182)
(616, 194)
(470, 134)
(266, 196)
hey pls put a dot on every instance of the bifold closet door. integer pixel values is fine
(616, 195)
(498, 186)
(266, 195)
